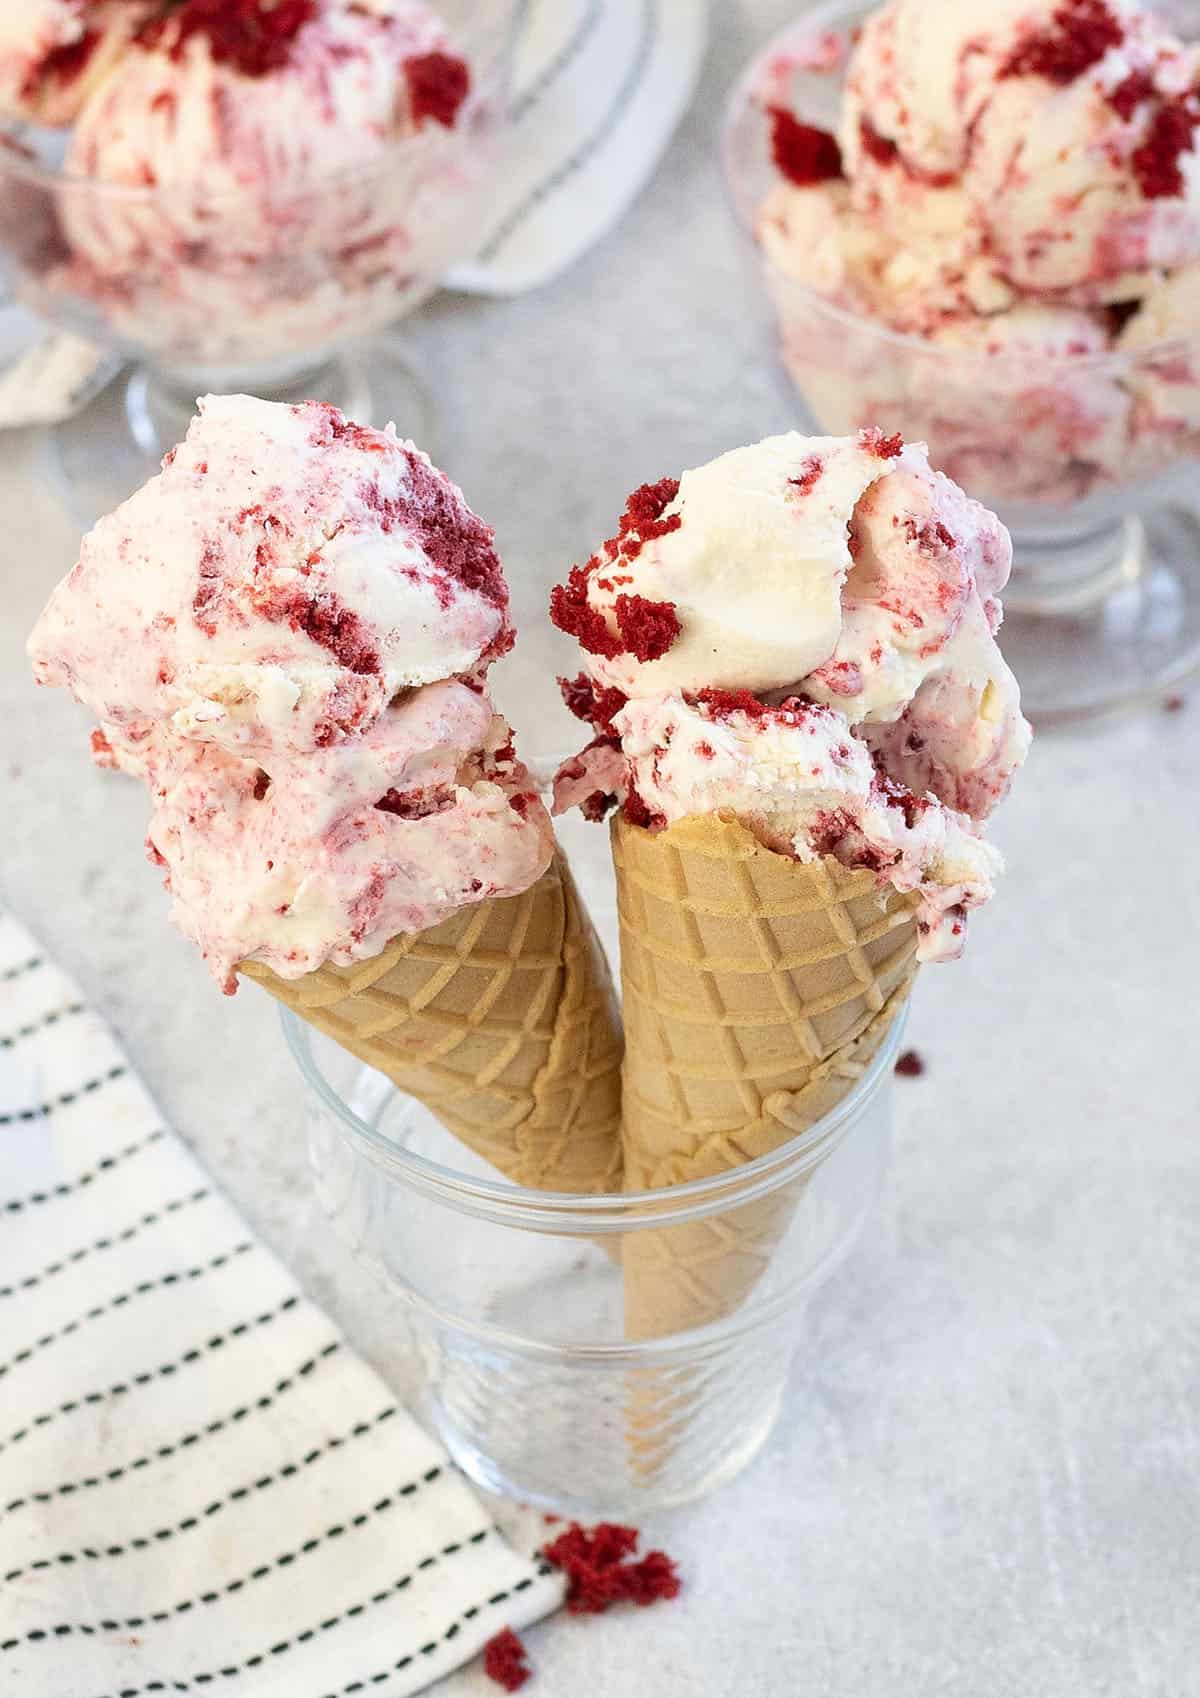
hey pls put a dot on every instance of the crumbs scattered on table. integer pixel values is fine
(504, 1661)
(600, 1571)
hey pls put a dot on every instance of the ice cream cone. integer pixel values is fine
(501, 1020)
(756, 990)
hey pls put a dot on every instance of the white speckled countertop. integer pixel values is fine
(985, 1482)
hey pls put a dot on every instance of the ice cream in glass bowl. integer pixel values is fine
(242, 195)
(978, 222)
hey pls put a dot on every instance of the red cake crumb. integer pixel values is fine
(253, 36)
(455, 539)
(637, 812)
(835, 832)
(648, 627)
(829, 828)
(337, 629)
(1081, 32)
(62, 65)
(438, 83)
(571, 612)
(1172, 704)
(928, 534)
(262, 783)
(416, 804)
(722, 703)
(802, 153)
(461, 548)
(1156, 163)
(521, 804)
(594, 706)
(579, 696)
(706, 751)
(597, 806)
(843, 677)
(642, 521)
(1129, 95)
(879, 148)
(600, 1574)
(910, 1065)
(899, 795)
(652, 1579)
(810, 475)
(874, 441)
(102, 751)
(504, 1661)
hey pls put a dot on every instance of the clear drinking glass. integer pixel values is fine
(517, 1299)
(1086, 457)
(295, 307)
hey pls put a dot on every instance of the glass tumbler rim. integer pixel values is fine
(570, 1214)
(742, 97)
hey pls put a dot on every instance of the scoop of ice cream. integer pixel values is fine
(1067, 128)
(829, 672)
(816, 237)
(54, 53)
(285, 636)
(260, 134)
(917, 79)
(670, 603)
(1010, 181)
(1091, 186)
(286, 575)
(920, 610)
(796, 777)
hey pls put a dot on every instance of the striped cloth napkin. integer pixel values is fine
(598, 88)
(201, 1488)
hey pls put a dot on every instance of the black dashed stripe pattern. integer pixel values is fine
(285, 1645)
(163, 1283)
(43, 1024)
(69, 1186)
(164, 1451)
(108, 1242)
(589, 147)
(122, 1388)
(30, 965)
(229, 1588)
(41, 1111)
(428, 1650)
(141, 1542)
(560, 64)
(191, 1566)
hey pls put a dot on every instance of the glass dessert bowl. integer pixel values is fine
(1081, 428)
(237, 260)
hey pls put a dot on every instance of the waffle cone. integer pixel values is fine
(501, 1020)
(757, 989)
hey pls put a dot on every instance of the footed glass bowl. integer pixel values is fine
(1089, 458)
(288, 295)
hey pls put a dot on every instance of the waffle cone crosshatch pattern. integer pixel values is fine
(502, 1021)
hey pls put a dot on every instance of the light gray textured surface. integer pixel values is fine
(985, 1482)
